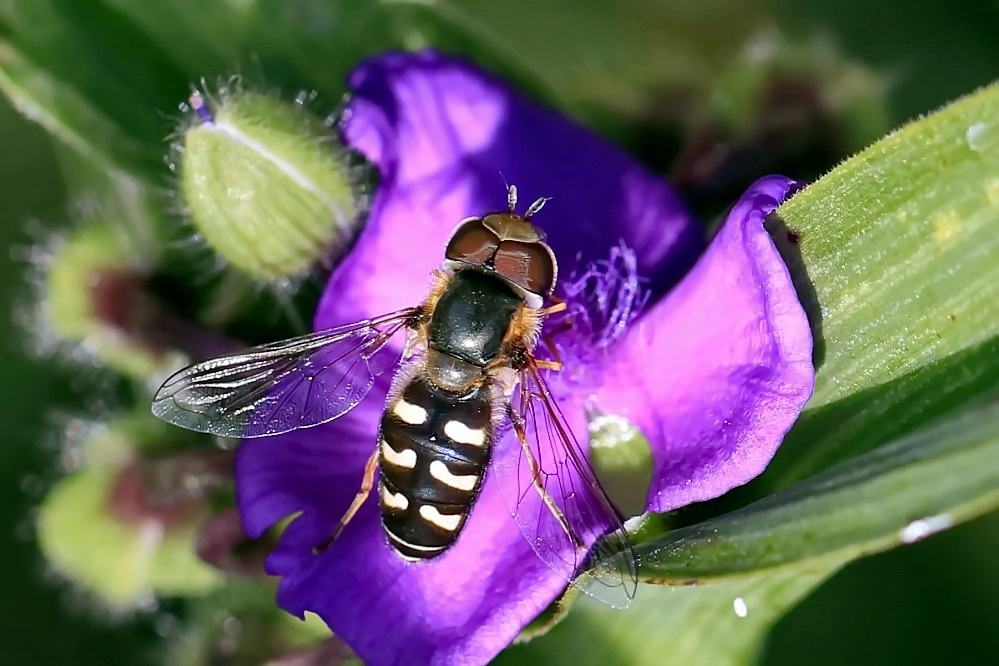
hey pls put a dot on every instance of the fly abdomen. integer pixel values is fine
(434, 452)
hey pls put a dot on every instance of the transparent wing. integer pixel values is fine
(281, 386)
(558, 503)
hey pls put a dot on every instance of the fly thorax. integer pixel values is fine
(472, 316)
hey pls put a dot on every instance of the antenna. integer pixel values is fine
(535, 207)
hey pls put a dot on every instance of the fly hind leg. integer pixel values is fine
(537, 479)
(367, 483)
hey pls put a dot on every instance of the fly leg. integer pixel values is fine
(538, 481)
(367, 483)
(559, 306)
(556, 364)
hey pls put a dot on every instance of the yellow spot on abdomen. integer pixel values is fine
(405, 458)
(462, 434)
(396, 501)
(409, 412)
(440, 471)
(447, 522)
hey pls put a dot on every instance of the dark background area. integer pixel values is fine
(934, 602)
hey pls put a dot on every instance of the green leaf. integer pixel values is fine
(99, 78)
(291, 45)
(730, 578)
(926, 482)
(620, 60)
(651, 73)
(895, 261)
(64, 112)
(671, 625)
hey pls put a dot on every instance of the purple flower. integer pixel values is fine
(714, 372)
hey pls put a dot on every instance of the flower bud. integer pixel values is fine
(93, 294)
(267, 185)
(222, 543)
(781, 105)
(789, 85)
(122, 525)
(622, 461)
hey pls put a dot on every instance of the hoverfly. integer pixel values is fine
(468, 372)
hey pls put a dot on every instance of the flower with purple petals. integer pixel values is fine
(713, 371)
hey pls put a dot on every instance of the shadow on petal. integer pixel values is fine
(787, 241)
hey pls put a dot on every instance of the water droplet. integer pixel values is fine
(975, 136)
(740, 607)
(924, 527)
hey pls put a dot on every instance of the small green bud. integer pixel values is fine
(98, 527)
(783, 84)
(266, 184)
(622, 461)
(93, 295)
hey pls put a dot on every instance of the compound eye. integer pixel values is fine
(527, 265)
(472, 243)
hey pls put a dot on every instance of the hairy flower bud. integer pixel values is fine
(122, 524)
(789, 86)
(266, 184)
(93, 294)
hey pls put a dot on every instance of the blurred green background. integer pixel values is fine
(934, 602)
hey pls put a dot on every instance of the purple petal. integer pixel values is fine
(444, 136)
(715, 374)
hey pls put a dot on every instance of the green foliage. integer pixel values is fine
(895, 263)
(895, 494)
(892, 253)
